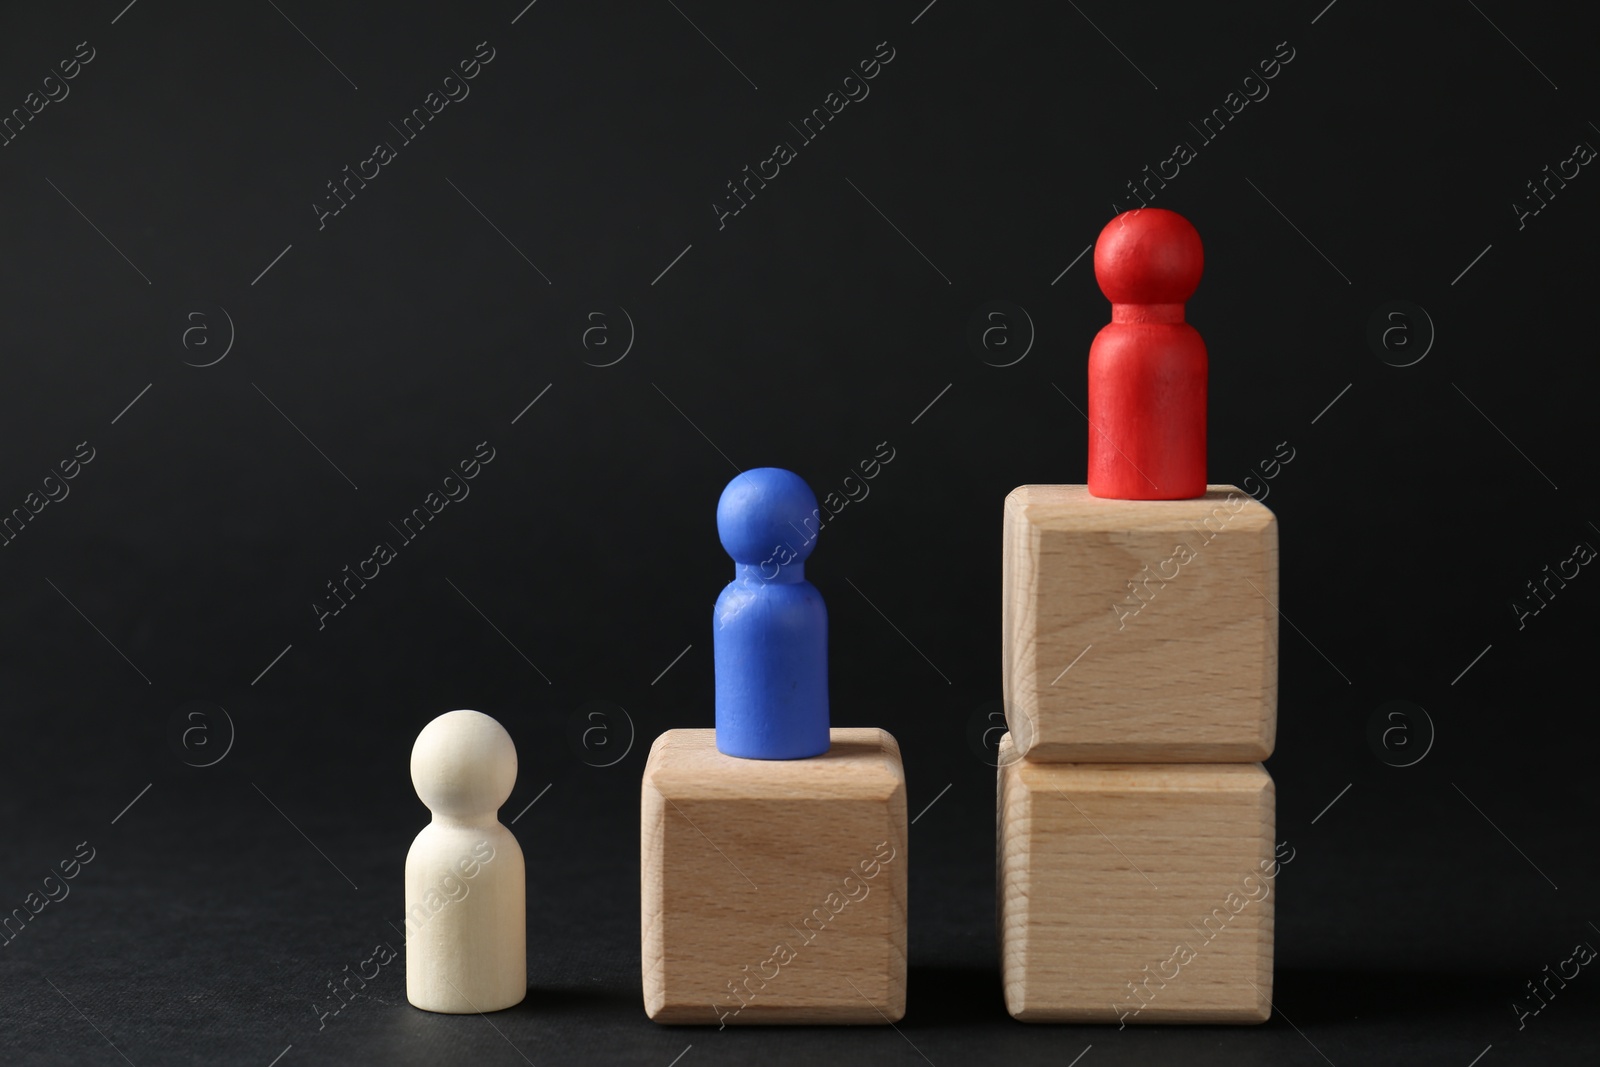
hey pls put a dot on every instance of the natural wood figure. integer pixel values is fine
(1143, 631)
(774, 891)
(466, 910)
(1134, 893)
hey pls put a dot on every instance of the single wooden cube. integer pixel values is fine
(774, 891)
(1136, 893)
(1140, 631)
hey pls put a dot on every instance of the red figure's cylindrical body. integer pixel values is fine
(1147, 368)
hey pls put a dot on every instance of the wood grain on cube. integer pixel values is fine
(1136, 893)
(774, 891)
(1140, 631)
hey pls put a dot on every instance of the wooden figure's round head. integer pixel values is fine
(764, 509)
(464, 764)
(1148, 256)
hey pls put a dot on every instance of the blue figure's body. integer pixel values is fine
(770, 627)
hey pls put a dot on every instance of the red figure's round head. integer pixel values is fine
(1148, 256)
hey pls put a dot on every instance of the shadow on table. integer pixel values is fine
(957, 996)
(953, 996)
(576, 1000)
(1323, 995)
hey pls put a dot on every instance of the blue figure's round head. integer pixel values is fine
(765, 509)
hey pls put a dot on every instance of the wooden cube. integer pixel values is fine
(774, 891)
(1136, 893)
(1139, 631)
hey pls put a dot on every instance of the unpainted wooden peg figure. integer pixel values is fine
(466, 917)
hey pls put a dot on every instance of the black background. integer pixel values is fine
(379, 350)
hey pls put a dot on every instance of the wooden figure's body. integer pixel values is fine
(466, 911)
(1148, 367)
(770, 626)
(1133, 893)
(1139, 631)
(774, 891)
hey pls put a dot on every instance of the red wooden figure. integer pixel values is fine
(1147, 368)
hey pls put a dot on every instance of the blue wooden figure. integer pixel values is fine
(770, 627)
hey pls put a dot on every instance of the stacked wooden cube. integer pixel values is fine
(774, 891)
(1136, 849)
